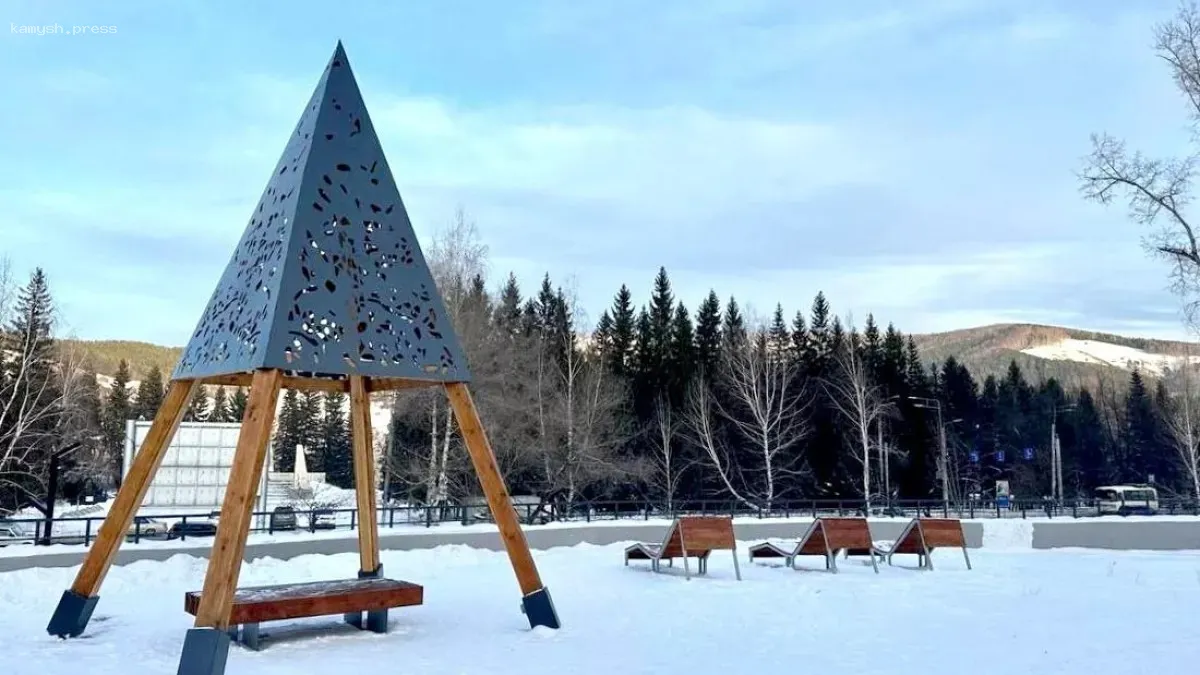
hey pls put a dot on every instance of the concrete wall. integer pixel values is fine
(1120, 535)
(1111, 534)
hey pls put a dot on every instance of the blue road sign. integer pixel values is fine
(974, 456)
(1028, 454)
(1000, 456)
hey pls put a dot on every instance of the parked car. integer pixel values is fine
(322, 519)
(148, 527)
(14, 533)
(193, 528)
(283, 518)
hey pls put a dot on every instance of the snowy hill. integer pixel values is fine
(1106, 353)
(1054, 351)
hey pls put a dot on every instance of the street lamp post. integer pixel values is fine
(935, 404)
(1056, 469)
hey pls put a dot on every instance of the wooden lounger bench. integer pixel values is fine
(349, 597)
(689, 537)
(922, 535)
(825, 537)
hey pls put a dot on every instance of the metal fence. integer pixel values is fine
(182, 526)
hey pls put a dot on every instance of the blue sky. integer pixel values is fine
(914, 158)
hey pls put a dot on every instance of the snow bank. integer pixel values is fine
(1007, 534)
(1037, 609)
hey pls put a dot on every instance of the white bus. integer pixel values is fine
(1123, 500)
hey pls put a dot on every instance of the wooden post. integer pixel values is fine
(364, 475)
(493, 487)
(225, 561)
(133, 489)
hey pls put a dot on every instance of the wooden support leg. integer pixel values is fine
(536, 601)
(364, 476)
(75, 607)
(206, 646)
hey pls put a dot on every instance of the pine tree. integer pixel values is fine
(872, 348)
(150, 393)
(197, 409)
(708, 336)
(287, 433)
(34, 380)
(508, 311)
(800, 338)
(779, 338)
(820, 344)
(335, 437)
(682, 358)
(220, 407)
(117, 410)
(237, 405)
(310, 431)
(733, 328)
(1139, 430)
(623, 333)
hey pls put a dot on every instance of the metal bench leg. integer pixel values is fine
(250, 635)
(737, 571)
(233, 632)
(966, 557)
(377, 620)
(354, 619)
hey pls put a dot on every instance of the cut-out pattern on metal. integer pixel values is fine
(328, 278)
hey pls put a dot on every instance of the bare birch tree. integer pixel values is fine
(1158, 190)
(768, 409)
(580, 413)
(667, 465)
(1181, 417)
(861, 403)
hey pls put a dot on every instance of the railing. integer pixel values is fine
(182, 526)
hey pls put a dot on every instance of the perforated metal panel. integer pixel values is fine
(328, 278)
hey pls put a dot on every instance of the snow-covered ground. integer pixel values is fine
(1106, 353)
(1062, 612)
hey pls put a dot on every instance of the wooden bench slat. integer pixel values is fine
(320, 598)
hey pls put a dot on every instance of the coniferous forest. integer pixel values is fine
(654, 401)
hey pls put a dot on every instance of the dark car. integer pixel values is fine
(322, 519)
(283, 518)
(193, 528)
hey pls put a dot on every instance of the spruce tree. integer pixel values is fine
(287, 433)
(682, 360)
(335, 437)
(623, 334)
(237, 405)
(150, 393)
(310, 431)
(708, 336)
(508, 311)
(220, 406)
(733, 328)
(1138, 461)
(117, 410)
(197, 409)
(779, 338)
(32, 374)
(799, 338)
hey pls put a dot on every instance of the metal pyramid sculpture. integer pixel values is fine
(328, 279)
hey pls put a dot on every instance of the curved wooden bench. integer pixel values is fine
(349, 597)
(825, 537)
(923, 535)
(689, 537)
